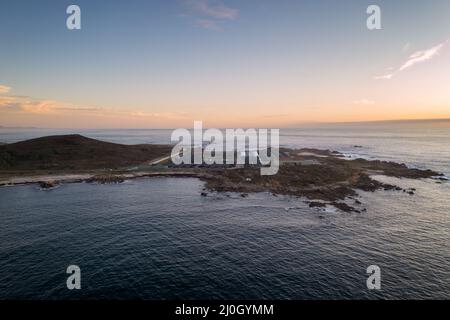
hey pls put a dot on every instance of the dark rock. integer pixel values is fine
(316, 204)
(344, 207)
(47, 184)
(106, 178)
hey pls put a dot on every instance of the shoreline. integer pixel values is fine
(83, 177)
(341, 195)
(345, 201)
(324, 177)
(92, 177)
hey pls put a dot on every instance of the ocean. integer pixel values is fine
(157, 238)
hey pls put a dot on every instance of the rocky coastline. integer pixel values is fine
(322, 177)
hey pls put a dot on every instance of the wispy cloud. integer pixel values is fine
(209, 14)
(415, 58)
(364, 102)
(388, 76)
(13, 103)
(422, 56)
(208, 24)
(26, 104)
(29, 105)
(4, 89)
(213, 10)
(159, 115)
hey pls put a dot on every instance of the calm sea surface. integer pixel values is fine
(159, 239)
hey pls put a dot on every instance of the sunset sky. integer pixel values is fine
(252, 63)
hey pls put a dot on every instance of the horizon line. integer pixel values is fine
(281, 127)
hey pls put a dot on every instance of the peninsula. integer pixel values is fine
(322, 177)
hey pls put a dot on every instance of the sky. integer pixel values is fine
(235, 63)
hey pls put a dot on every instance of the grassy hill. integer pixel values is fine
(75, 152)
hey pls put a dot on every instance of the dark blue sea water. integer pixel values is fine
(157, 238)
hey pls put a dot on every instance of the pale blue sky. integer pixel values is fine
(194, 57)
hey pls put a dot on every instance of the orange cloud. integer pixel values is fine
(26, 104)
(4, 89)
(44, 110)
